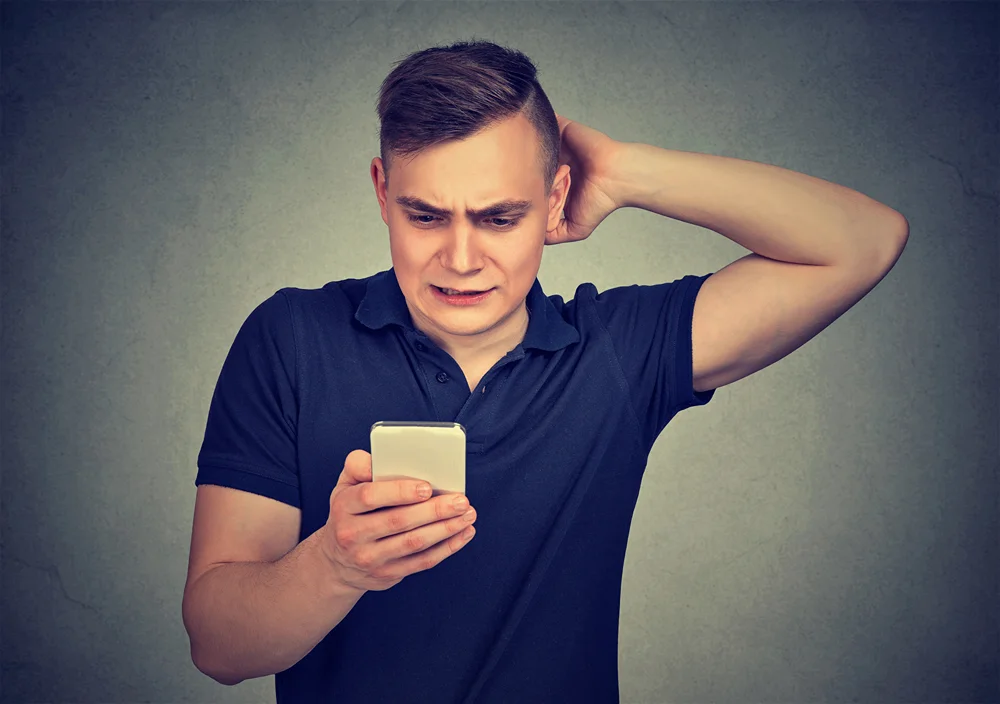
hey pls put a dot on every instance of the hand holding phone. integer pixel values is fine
(380, 532)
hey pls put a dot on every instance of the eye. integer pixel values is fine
(510, 222)
(501, 223)
(416, 218)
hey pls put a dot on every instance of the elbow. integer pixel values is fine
(204, 665)
(215, 673)
(904, 227)
(198, 658)
(229, 682)
(901, 230)
(889, 246)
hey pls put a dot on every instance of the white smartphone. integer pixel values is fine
(431, 451)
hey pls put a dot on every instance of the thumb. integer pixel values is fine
(357, 468)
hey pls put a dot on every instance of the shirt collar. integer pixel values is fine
(384, 304)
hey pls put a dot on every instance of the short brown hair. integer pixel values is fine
(451, 92)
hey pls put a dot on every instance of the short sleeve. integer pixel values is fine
(650, 328)
(250, 436)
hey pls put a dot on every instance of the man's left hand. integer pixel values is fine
(591, 155)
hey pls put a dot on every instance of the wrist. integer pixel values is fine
(333, 584)
(617, 179)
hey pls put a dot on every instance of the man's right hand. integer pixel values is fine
(380, 532)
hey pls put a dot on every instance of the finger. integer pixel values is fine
(387, 522)
(452, 538)
(369, 496)
(357, 468)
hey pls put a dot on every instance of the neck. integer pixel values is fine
(490, 345)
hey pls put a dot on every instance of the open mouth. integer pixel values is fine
(453, 292)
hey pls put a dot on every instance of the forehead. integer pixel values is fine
(500, 161)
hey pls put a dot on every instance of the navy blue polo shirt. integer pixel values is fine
(558, 435)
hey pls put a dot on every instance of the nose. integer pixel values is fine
(462, 251)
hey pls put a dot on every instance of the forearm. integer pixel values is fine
(252, 619)
(773, 212)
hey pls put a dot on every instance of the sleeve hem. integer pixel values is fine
(249, 481)
(684, 372)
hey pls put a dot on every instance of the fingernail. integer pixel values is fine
(424, 491)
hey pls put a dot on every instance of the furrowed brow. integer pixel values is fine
(504, 207)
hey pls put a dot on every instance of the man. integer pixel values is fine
(354, 591)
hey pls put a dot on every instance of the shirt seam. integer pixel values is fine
(256, 470)
(622, 378)
(424, 372)
(295, 351)
(299, 391)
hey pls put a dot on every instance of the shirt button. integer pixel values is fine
(442, 377)
(421, 347)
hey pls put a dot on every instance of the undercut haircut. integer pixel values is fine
(452, 92)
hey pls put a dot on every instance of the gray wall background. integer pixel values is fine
(825, 530)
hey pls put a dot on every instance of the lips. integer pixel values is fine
(452, 291)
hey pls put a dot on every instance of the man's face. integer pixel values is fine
(501, 251)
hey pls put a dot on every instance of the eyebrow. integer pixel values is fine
(503, 207)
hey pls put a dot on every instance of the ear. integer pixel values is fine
(557, 199)
(381, 190)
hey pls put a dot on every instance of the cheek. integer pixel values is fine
(397, 252)
(530, 254)
(404, 248)
(523, 268)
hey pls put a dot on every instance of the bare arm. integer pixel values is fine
(257, 601)
(253, 619)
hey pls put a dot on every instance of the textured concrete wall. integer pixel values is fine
(825, 530)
